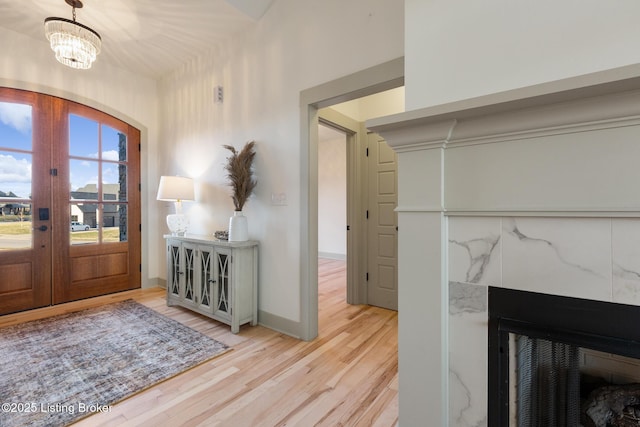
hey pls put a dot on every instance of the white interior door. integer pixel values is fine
(382, 224)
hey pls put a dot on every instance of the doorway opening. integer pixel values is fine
(332, 193)
(360, 166)
(332, 209)
(377, 79)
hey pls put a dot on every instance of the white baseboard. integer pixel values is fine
(155, 282)
(329, 255)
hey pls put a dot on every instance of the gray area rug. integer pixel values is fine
(57, 370)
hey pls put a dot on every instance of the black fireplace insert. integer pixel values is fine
(566, 321)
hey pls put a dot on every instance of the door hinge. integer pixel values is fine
(139, 187)
(348, 228)
(367, 277)
(53, 172)
(367, 152)
(367, 216)
(140, 267)
(139, 148)
(140, 227)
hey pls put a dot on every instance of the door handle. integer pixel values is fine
(43, 228)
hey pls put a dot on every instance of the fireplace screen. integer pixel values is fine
(547, 383)
(559, 361)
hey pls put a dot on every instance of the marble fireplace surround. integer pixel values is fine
(536, 189)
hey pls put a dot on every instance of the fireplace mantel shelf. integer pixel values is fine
(623, 79)
(566, 148)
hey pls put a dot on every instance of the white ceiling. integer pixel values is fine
(148, 37)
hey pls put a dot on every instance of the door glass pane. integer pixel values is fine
(82, 223)
(114, 182)
(114, 144)
(114, 223)
(15, 126)
(84, 177)
(83, 137)
(15, 176)
(98, 172)
(15, 203)
(15, 226)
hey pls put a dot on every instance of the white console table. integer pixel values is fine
(216, 278)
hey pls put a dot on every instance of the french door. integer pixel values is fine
(69, 202)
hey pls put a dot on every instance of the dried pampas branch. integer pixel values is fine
(240, 173)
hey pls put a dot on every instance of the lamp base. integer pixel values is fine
(177, 224)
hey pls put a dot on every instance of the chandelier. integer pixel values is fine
(75, 45)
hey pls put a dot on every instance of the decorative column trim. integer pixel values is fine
(422, 137)
(556, 212)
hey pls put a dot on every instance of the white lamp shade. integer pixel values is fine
(175, 188)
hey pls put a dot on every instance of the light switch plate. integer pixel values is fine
(279, 199)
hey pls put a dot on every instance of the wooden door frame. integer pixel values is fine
(379, 78)
(150, 241)
(50, 123)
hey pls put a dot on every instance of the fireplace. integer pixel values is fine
(534, 189)
(521, 323)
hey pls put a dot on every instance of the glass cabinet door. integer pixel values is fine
(189, 253)
(207, 280)
(174, 260)
(222, 295)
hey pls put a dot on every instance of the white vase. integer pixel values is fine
(238, 227)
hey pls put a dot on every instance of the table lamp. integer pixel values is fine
(176, 189)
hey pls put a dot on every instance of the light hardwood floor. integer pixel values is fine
(348, 376)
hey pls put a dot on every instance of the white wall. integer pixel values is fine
(28, 63)
(457, 49)
(332, 194)
(297, 45)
